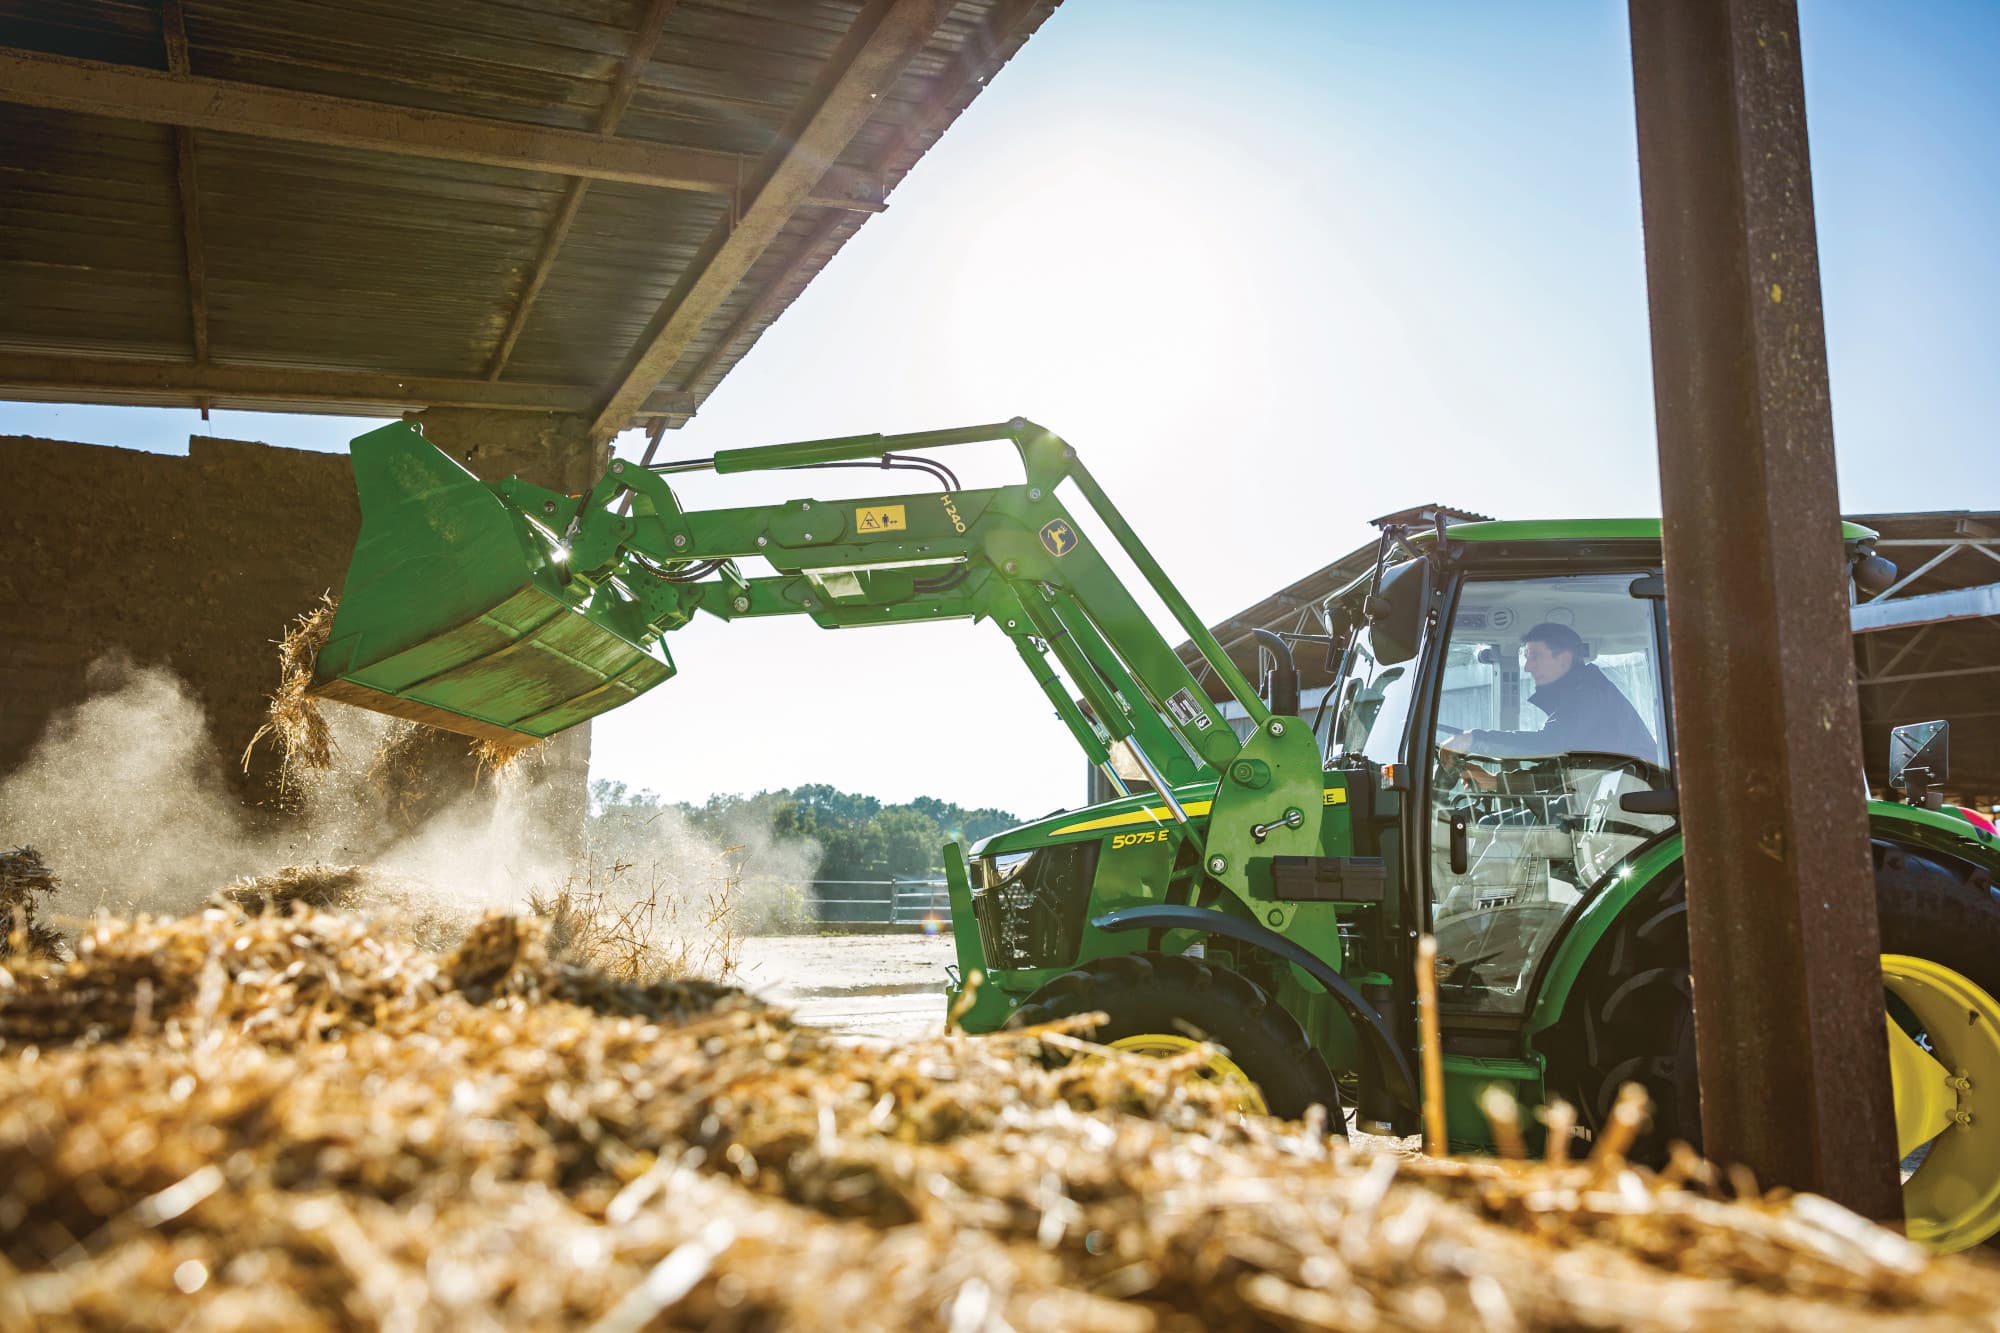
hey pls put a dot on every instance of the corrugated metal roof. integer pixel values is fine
(321, 249)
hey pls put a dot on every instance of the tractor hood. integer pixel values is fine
(1142, 810)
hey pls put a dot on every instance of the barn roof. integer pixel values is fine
(369, 206)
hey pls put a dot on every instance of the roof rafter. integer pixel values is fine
(94, 87)
(884, 38)
(1980, 602)
(608, 117)
(983, 54)
(978, 60)
(51, 376)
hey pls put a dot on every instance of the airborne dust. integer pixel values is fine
(124, 798)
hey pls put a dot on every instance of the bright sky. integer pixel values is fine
(1275, 269)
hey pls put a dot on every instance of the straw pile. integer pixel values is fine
(25, 881)
(393, 906)
(253, 1122)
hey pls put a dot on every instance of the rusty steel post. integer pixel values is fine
(1781, 903)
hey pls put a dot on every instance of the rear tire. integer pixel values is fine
(1633, 1020)
(1143, 994)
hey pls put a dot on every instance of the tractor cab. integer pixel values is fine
(1510, 679)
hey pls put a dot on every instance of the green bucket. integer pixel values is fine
(460, 613)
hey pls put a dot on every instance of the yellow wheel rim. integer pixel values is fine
(1215, 1067)
(1947, 1093)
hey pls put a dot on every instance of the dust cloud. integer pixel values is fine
(124, 798)
(661, 844)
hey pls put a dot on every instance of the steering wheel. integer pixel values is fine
(1456, 768)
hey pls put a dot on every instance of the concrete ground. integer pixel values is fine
(881, 986)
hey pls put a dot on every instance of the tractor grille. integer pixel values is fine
(1034, 917)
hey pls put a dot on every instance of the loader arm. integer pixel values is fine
(511, 612)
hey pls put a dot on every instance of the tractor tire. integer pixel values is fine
(1943, 910)
(1634, 1023)
(1142, 994)
(1633, 1020)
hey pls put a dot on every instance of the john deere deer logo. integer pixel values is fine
(1059, 537)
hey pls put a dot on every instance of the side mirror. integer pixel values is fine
(1918, 760)
(1396, 613)
(1873, 574)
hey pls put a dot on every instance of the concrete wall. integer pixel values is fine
(197, 564)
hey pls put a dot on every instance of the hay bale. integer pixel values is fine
(296, 1123)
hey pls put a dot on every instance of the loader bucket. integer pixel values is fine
(458, 611)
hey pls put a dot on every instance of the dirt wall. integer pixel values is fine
(190, 563)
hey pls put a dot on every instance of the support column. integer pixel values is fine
(554, 450)
(1781, 901)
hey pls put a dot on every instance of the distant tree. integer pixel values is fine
(910, 841)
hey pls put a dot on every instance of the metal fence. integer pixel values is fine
(877, 903)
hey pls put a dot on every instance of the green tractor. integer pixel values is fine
(1547, 866)
(1491, 766)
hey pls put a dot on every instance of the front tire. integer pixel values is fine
(1155, 1003)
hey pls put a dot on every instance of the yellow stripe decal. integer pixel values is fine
(1157, 815)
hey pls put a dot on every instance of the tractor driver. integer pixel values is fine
(1586, 712)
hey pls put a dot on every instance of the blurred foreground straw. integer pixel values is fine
(233, 1121)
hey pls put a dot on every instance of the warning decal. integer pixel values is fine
(879, 518)
(1186, 711)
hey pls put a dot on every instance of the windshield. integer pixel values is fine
(1372, 705)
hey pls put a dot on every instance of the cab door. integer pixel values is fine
(1549, 707)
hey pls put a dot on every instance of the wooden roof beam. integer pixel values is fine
(608, 117)
(127, 92)
(48, 377)
(884, 38)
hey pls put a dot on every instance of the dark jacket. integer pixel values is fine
(1586, 713)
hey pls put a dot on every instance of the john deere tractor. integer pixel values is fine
(1255, 895)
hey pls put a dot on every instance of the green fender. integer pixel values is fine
(1909, 825)
(1645, 869)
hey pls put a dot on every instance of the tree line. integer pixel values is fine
(859, 837)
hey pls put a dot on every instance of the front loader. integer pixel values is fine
(1259, 885)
